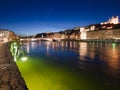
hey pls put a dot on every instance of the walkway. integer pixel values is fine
(10, 77)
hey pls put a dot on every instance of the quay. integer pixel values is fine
(102, 40)
(10, 76)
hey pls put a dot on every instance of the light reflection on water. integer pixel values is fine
(70, 65)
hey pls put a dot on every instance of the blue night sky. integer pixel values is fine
(36, 16)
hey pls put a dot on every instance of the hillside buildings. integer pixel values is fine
(104, 30)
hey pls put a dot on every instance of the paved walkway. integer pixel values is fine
(10, 77)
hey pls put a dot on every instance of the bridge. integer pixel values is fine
(40, 39)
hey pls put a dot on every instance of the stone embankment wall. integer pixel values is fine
(10, 77)
(104, 34)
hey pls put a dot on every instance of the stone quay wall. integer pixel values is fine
(104, 34)
(10, 76)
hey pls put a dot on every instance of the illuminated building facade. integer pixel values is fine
(113, 20)
(6, 35)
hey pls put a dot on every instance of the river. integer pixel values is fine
(70, 65)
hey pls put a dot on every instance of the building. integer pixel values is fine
(113, 20)
(7, 35)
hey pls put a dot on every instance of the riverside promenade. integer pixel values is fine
(10, 77)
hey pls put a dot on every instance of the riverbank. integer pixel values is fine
(95, 40)
(10, 77)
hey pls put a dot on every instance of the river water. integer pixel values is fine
(70, 65)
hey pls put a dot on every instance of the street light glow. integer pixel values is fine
(24, 58)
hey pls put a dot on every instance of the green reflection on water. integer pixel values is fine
(113, 45)
(14, 50)
(40, 74)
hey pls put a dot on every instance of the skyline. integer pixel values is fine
(36, 16)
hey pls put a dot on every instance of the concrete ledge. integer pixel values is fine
(10, 77)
